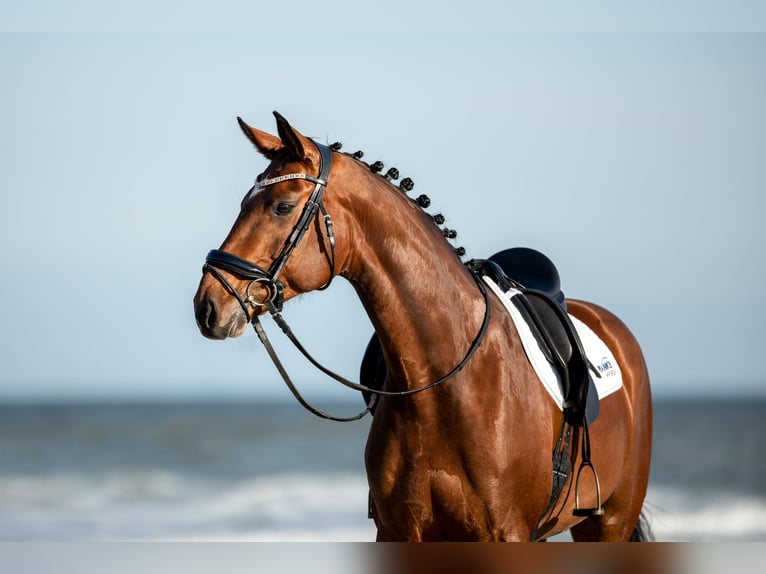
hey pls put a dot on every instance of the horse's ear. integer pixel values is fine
(299, 145)
(264, 142)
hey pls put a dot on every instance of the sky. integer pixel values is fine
(634, 158)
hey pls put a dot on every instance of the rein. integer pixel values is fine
(218, 260)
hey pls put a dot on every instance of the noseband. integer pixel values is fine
(218, 260)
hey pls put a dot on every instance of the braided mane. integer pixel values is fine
(405, 186)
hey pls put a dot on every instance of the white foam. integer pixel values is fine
(286, 507)
(162, 506)
(682, 515)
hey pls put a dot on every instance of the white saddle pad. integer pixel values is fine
(595, 349)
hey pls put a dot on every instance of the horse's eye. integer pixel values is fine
(284, 208)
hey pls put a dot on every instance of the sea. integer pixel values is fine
(270, 471)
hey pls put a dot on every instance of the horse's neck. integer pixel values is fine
(424, 305)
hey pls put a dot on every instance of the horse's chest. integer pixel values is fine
(422, 490)
(432, 505)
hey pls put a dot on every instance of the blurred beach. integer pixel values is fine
(273, 472)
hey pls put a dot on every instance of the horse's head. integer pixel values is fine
(260, 262)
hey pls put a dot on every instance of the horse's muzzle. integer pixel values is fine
(214, 325)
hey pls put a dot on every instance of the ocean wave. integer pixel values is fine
(678, 514)
(162, 505)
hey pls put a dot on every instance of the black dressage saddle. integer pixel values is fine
(543, 306)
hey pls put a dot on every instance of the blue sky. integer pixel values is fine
(635, 161)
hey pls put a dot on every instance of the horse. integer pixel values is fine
(468, 459)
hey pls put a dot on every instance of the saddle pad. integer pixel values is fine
(595, 349)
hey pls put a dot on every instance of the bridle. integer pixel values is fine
(218, 260)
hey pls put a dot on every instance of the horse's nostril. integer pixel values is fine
(206, 313)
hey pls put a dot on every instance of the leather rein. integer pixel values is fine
(218, 260)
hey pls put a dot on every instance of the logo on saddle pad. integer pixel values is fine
(606, 368)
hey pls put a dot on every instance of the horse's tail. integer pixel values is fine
(642, 532)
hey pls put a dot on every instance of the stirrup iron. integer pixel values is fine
(598, 510)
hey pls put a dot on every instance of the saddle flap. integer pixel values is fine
(546, 325)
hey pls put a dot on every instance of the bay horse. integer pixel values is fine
(469, 459)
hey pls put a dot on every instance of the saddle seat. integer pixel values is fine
(532, 270)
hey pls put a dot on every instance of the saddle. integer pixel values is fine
(543, 306)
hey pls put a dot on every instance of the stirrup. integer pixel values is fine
(598, 510)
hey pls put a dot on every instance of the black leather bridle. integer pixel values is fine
(218, 260)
